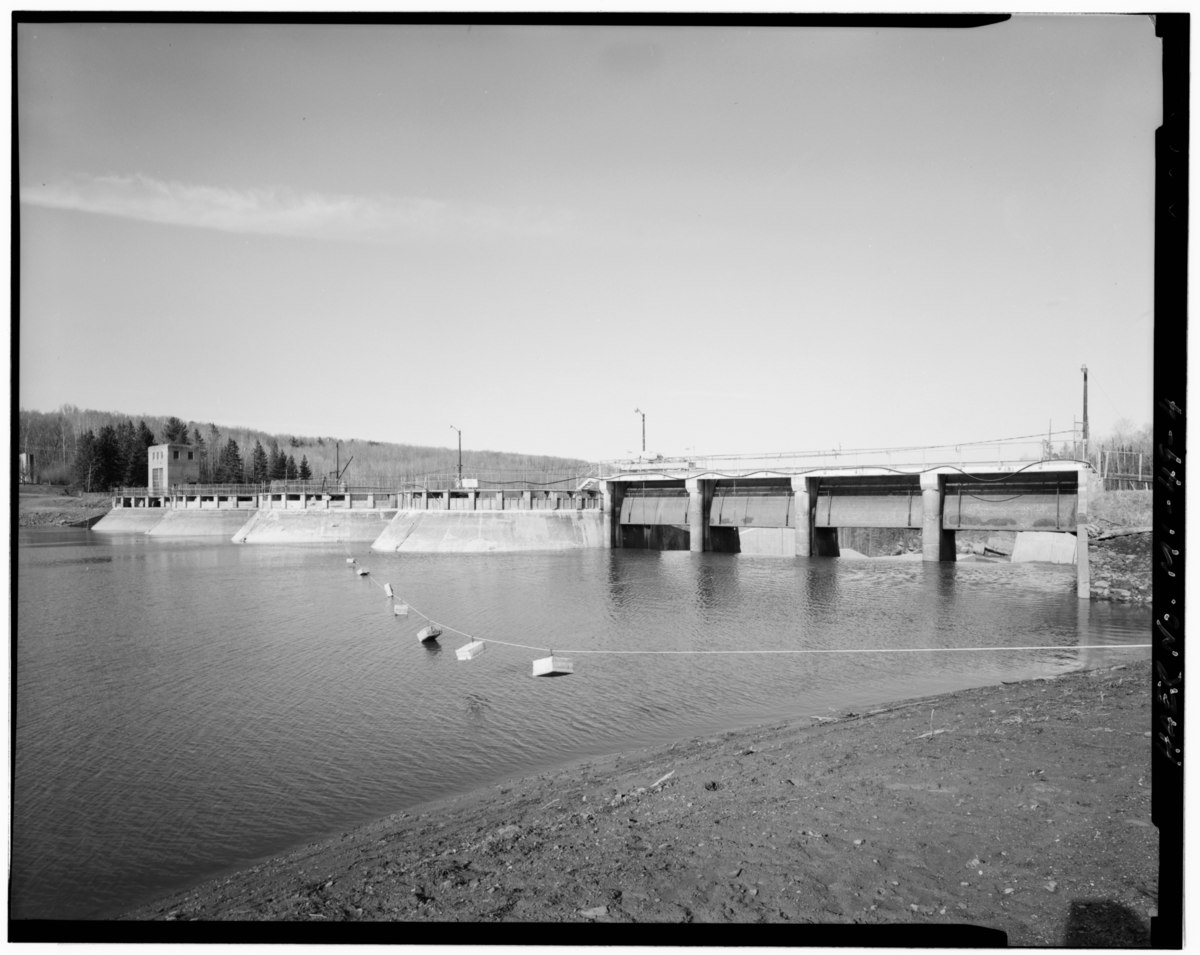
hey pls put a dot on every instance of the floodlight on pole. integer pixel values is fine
(452, 428)
(643, 414)
(1083, 368)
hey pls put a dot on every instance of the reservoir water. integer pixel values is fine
(187, 707)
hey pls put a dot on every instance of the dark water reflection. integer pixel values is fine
(188, 707)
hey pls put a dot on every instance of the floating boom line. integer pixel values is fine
(763, 651)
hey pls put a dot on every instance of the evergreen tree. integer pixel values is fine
(305, 470)
(127, 444)
(201, 454)
(175, 431)
(232, 469)
(278, 463)
(107, 452)
(259, 473)
(292, 471)
(141, 463)
(214, 454)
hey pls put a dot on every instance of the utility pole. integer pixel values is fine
(1085, 418)
(459, 484)
(643, 414)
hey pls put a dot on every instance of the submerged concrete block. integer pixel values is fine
(767, 541)
(1046, 546)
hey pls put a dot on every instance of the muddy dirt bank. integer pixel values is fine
(44, 505)
(1020, 808)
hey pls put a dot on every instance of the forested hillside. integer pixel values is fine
(100, 450)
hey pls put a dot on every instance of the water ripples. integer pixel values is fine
(185, 707)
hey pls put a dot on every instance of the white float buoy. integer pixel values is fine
(400, 610)
(362, 571)
(349, 560)
(470, 651)
(430, 633)
(387, 589)
(553, 666)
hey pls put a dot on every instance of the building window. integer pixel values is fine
(189, 455)
(175, 455)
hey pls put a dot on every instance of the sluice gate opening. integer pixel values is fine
(752, 515)
(869, 501)
(1034, 503)
(807, 515)
(654, 516)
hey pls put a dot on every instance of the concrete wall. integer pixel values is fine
(450, 531)
(181, 522)
(313, 526)
(129, 520)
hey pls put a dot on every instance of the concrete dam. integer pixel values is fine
(751, 507)
(444, 521)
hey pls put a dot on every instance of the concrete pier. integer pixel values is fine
(613, 496)
(700, 494)
(802, 516)
(937, 544)
(1083, 573)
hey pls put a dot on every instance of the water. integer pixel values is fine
(184, 708)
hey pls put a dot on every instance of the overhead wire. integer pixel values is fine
(777, 472)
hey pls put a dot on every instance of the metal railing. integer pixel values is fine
(244, 490)
(479, 480)
(1003, 454)
(207, 490)
(1125, 470)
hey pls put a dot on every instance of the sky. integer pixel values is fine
(767, 239)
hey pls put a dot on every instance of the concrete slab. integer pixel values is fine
(195, 522)
(1052, 548)
(314, 526)
(466, 532)
(129, 520)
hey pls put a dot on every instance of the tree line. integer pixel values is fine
(1125, 438)
(92, 451)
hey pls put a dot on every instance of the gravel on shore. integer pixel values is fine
(1021, 809)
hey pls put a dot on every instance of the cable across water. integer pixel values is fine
(766, 651)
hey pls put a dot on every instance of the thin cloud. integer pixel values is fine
(281, 211)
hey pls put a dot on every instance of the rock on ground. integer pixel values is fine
(1120, 567)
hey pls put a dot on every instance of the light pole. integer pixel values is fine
(1083, 368)
(452, 428)
(643, 414)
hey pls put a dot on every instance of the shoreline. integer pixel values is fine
(1023, 808)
